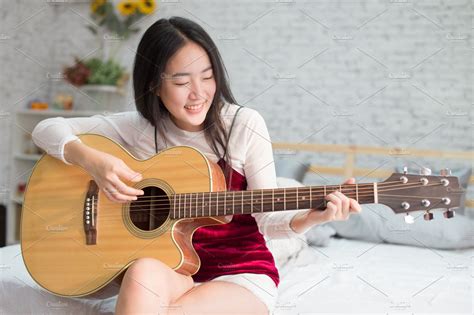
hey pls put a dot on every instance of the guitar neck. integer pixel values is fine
(204, 204)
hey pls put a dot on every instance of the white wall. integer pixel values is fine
(390, 73)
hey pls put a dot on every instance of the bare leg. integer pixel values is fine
(218, 297)
(149, 286)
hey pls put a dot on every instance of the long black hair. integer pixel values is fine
(158, 44)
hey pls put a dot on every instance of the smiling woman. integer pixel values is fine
(183, 99)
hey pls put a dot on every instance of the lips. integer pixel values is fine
(194, 108)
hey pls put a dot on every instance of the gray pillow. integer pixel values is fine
(378, 223)
(289, 167)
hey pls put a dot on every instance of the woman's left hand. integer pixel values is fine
(339, 207)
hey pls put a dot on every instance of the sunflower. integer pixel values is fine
(126, 7)
(146, 6)
(96, 4)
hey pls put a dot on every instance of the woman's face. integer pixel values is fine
(188, 87)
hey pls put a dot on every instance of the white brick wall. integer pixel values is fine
(375, 72)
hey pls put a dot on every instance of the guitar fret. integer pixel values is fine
(174, 208)
(217, 202)
(242, 203)
(324, 198)
(179, 205)
(196, 204)
(262, 202)
(310, 199)
(273, 200)
(233, 203)
(202, 210)
(210, 204)
(225, 199)
(251, 201)
(284, 198)
(297, 198)
(357, 192)
(184, 205)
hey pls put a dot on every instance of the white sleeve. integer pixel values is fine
(260, 173)
(53, 133)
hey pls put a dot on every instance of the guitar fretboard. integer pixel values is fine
(202, 204)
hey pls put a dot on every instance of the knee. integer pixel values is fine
(148, 275)
(148, 267)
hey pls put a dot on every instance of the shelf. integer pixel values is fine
(58, 112)
(28, 157)
(18, 200)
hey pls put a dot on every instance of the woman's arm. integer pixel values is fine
(260, 173)
(52, 134)
(58, 137)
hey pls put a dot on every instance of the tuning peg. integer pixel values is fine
(425, 171)
(405, 170)
(448, 214)
(409, 219)
(428, 216)
(445, 172)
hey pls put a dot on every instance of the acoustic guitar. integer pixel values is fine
(75, 241)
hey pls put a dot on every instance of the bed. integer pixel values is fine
(348, 276)
(340, 277)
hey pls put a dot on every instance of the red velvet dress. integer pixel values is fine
(235, 247)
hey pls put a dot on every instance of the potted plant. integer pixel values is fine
(101, 80)
(101, 83)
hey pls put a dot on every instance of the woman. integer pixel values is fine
(183, 98)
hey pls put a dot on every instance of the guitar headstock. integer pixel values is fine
(405, 193)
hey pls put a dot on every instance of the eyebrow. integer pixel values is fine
(182, 74)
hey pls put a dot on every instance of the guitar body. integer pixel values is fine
(67, 260)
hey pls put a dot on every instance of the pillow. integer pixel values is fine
(378, 223)
(463, 174)
(288, 167)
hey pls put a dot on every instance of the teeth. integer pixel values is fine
(193, 106)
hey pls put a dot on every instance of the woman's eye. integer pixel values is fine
(182, 84)
(209, 78)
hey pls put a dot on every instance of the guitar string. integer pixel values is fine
(247, 203)
(266, 193)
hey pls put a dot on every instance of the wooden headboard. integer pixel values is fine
(350, 152)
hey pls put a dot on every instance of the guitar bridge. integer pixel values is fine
(90, 213)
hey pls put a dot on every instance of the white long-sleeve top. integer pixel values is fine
(250, 148)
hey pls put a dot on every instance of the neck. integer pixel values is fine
(205, 204)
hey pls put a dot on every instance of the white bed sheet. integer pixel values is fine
(347, 277)
(355, 277)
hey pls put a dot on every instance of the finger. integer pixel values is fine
(332, 197)
(350, 181)
(129, 175)
(330, 214)
(118, 195)
(127, 190)
(345, 204)
(111, 196)
(355, 206)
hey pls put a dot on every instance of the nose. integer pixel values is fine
(197, 91)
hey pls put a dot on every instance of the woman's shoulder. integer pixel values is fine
(132, 116)
(245, 115)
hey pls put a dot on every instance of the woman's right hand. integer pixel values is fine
(108, 171)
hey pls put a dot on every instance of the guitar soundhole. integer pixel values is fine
(151, 210)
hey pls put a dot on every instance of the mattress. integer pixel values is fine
(346, 277)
